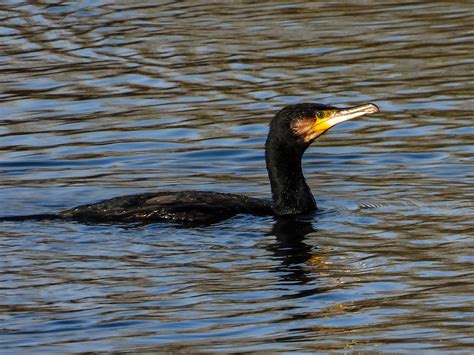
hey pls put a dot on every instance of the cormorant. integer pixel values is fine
(292, 130)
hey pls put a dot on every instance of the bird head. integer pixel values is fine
(303, 123)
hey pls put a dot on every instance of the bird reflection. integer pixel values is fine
(290, 247)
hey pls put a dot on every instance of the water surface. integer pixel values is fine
(105, 98)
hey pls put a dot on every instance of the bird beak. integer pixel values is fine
(335, 116)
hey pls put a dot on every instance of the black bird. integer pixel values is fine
(292, 130)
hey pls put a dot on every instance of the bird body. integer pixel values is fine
(183, 207)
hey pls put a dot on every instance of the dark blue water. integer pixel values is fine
(106, 98)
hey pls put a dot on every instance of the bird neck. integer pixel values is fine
(290, 192)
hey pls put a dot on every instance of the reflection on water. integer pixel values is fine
(291, 248)
(104, 98)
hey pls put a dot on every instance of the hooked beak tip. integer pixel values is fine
(372, 108)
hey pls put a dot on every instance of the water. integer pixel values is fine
(105, 98)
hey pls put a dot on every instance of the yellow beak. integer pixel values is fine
(335, 116)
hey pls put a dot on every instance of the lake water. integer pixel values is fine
(106, 98)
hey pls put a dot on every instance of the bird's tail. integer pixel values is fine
(30, 217)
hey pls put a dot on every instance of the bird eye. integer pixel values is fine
(322, 115)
